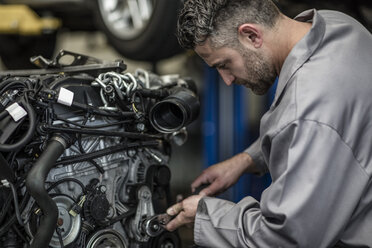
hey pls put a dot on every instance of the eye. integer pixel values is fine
(222, 67)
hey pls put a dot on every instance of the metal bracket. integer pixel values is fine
(145, 210)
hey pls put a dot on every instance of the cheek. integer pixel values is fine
(239, 70)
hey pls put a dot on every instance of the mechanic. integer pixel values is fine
(315, 140)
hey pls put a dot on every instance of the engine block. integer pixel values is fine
(84, 153)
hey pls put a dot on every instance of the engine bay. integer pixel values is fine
(84, 153)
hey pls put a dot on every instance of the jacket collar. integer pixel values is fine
(302, 51)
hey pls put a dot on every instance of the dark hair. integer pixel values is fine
(220, 19)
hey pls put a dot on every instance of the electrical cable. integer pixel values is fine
(5, 208)
(29, 134)
(95, 126)
(94, 163)
(55, 184)
(12, 219)
(59, 233)
(96, 111)
(110, 150)
(18, 232)
(16, 206)
(8, 85)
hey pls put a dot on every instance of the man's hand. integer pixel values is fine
(222, 175)
(185, 211)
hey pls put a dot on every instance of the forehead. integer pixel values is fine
(204, 50)
(214, 55)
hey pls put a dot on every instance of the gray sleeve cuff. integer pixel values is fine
(254, 151)
(205, 233)
(220, 223)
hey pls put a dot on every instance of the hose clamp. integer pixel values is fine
(60, 140)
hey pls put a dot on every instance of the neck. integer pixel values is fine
(287, 33)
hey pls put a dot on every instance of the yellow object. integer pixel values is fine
(21, 20)
(72, 212)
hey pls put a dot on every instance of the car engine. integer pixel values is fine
(84, 153)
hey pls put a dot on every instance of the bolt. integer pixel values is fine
(60, 222)
(168, 244)
(145, 195)
(103, 188)
(140, 127)
(155, 227)
(109, 89)
(131, 153)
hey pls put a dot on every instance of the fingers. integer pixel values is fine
(175, 209)
(200, 180)
(180, 220)
(212, 189)
(186, 212)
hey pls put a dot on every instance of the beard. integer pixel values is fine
(260, 73)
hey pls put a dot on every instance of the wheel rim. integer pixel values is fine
(126, 19)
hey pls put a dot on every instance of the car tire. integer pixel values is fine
(16, 50)
(156, 40)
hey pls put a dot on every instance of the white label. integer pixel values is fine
(16, 111)
(65, 97)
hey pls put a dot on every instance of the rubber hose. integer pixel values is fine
(35, 186)
(29, 134)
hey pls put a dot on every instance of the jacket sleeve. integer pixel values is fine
(254, 150)
(316, 184)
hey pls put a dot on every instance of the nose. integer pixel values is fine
(227, 77)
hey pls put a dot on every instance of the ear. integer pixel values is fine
(250, 34)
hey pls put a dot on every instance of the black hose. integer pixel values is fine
(10, 83)
(29, 134)
(3, 114)
(35, 186)
(129, 135)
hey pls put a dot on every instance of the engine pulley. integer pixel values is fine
(107, 238)
(68, 225)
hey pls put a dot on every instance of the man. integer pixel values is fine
(315, 141)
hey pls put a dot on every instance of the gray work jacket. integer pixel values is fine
(316, 142)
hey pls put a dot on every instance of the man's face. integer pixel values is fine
(240, 66)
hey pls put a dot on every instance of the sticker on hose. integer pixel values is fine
(16, 111)
(65, 97)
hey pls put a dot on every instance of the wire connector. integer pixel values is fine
(5, 183)
(16, 111)
(65, 97)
